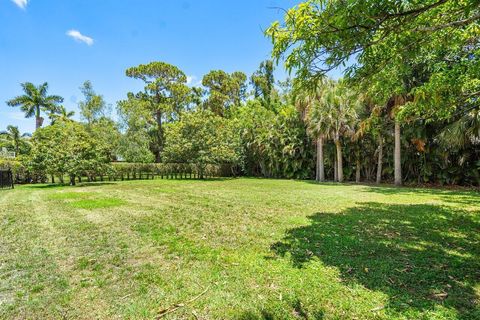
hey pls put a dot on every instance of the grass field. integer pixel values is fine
(241, 249)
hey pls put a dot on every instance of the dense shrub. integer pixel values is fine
(68, 148)
(22, 172)
(124, 170)
(200, 139)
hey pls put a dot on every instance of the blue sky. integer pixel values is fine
(67, 42)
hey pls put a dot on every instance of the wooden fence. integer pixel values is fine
(6, 179)
(117, 171)
(134, 171)
(168, 171)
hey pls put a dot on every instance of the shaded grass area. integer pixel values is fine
(419, 255)
(262, 249)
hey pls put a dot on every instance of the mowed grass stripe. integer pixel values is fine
(264, 248)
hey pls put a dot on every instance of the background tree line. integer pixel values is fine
(407, 109)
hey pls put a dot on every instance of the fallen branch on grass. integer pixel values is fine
(177, 306)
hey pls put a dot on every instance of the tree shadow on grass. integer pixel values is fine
(94, 184)
(297, 311)
(65, 185)
(421, 256)
(44, 186)
(462, 196)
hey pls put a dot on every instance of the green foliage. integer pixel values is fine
(93, 107)
(332, 110)
(272, 134)
(263, 82)
(427, 50)
(165, 86)
(61, 114)
(139, 138)
(35, 101)
(12, 140)
(165, 96)
(125, 170)
(21, 172)
(275, 143)
(416, 60)
(327, 250)
(67, 148)
(134, 147)
(224, 90)
(105, 131)
(202, 138)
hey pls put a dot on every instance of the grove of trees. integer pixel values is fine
(407, 109)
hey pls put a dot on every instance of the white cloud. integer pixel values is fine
(75, 34)
(190, 79)
(22, 4)
(193, 81)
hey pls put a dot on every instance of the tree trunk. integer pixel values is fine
(335, 169)
(380, 160)
(158, 155)
(38, 122)
(320, 177)
(397, 156)
(53, 178)
(358, 167)
(72, 180)
(339, 160)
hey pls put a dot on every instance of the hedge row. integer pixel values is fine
(126, 171)
(21, 173)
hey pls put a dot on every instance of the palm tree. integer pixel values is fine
(344, 115)
(35, 101)
(61, 114)
(375, 124)
(333, 115)
(462, 132)
(396, 103)
(13, 138)
(306, 102)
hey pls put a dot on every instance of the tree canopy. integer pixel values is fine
(66, 148)
(36, 101)
(406, 109)
(202, 138)
(427, 49)
(165, 91)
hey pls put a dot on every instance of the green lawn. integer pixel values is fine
(242, 249)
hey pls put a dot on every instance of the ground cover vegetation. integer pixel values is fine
(165, 216)
(245, 248)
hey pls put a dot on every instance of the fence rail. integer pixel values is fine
(119, 171)
(125, 171)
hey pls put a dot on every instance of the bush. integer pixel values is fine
(124, 170)
(22, 172)
(201, 139)
(68, 148)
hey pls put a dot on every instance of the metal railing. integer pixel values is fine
(6, 179)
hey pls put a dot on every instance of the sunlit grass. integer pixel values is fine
(262, 249)
(97, 203)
